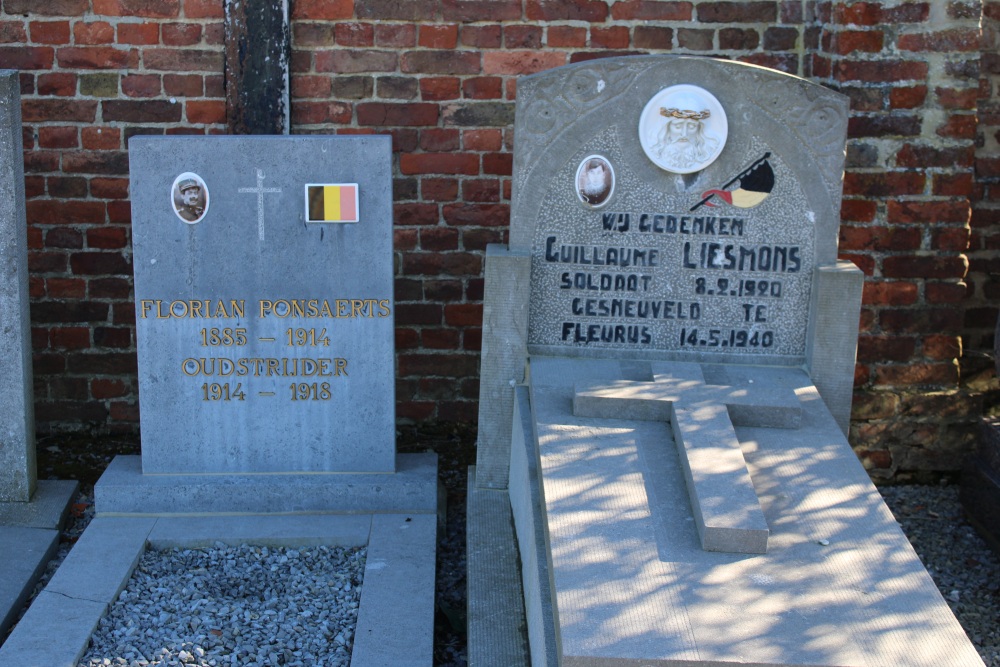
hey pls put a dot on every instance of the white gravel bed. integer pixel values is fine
(243, 606)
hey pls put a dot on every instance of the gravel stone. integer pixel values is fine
(245, 605)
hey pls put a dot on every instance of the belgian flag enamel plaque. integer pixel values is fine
(332, 202)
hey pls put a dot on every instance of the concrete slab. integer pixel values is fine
(124, 490)
(47, 509)
(497, 625)
(396, 616)
(332, 530)
(23, 555)
(53, 632)
(840, 585)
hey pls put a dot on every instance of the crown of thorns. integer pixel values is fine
(685, 114)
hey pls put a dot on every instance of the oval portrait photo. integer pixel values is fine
(189, 196)
(595, 181)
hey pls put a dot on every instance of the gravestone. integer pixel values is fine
(264, 327)
(31, 511)
(668, 354)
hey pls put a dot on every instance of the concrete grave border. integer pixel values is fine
(395, 618)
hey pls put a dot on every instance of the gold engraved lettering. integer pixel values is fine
(191, 309)
(341, 367)
(383, 308)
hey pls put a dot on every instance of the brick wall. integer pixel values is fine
(440, 76)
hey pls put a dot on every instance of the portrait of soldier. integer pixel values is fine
(594, 181)
(190, 197)
(683, 142)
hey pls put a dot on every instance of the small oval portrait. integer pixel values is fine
(683, 129)
(189, 196)
(595, 181)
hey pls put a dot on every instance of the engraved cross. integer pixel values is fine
(726, 508)
(260, 191)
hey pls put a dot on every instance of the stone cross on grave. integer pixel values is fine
(260, 190)
(725, 504)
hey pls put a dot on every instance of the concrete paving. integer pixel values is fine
(397, 599)
(29, 536)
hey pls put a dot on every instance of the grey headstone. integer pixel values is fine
(17, 408)
(288, 365)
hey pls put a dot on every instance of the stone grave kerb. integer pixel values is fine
(804, 123)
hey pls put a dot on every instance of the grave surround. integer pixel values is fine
(647, 311)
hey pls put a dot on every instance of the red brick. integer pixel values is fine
(783, 62)
(49, 32)
(959, 126)
(203, 9)
(138, 33)
(695, 40)
(957, 98)
(879, 238)
(313, 113)
(381, 114)
(440, 62)
(564, 36)
(442, 263)
(313, 34)
(62, 84)
(183, 60)
(846, 42)
(119, 212)
(418, 314)
(942, 347)
(446, 291)
(109, 188)
(476, 215)
(41, 161)
(438, 88)
(67, 187)
(101, 388)
(955, 239)
(26, 57)
(411, 10)
(482, 140)
(403, 239)
(101, 138)
(858, 210)
(414, 411)
(881, 125)
(65, 288)
(181, 34)
(322, 9)
(91, 162)
(449, 163)
(47, 8)
(522, 37)
(872, 13)
(566, 10)
(184, 85)
(141, 85)
(355, 34)
(439, 189)
(957, 39)
(57, 137)
(439, 339)
(481, 10)
(141, 111)
(13, 32)
(52, 212)
(521, 62)
(953, 292)
(883, 70)
(737, 12)
(954, 185)
(205, 112)
(781, 39)
(738, 39)
(310, 86)
(917, 374)
(481, 190)
(398, 35)
(348, 61)
(481, 36)
(874, 349)
(96, 57)
(650, 37)
(415, 214)
(613, 37)
(141, 8)
(907, 97)
(889, 293)
(501, 164)
(70, 338)
(924, 266)
(883, 184)
(651, 10)
(34, 186)
(928, 211)
(62, 236)
(109, 288)
(438, 239)
(439, 140)
(464, 314)
(483, 88)
(438, 36)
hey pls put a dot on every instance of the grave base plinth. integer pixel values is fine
(631, 584)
